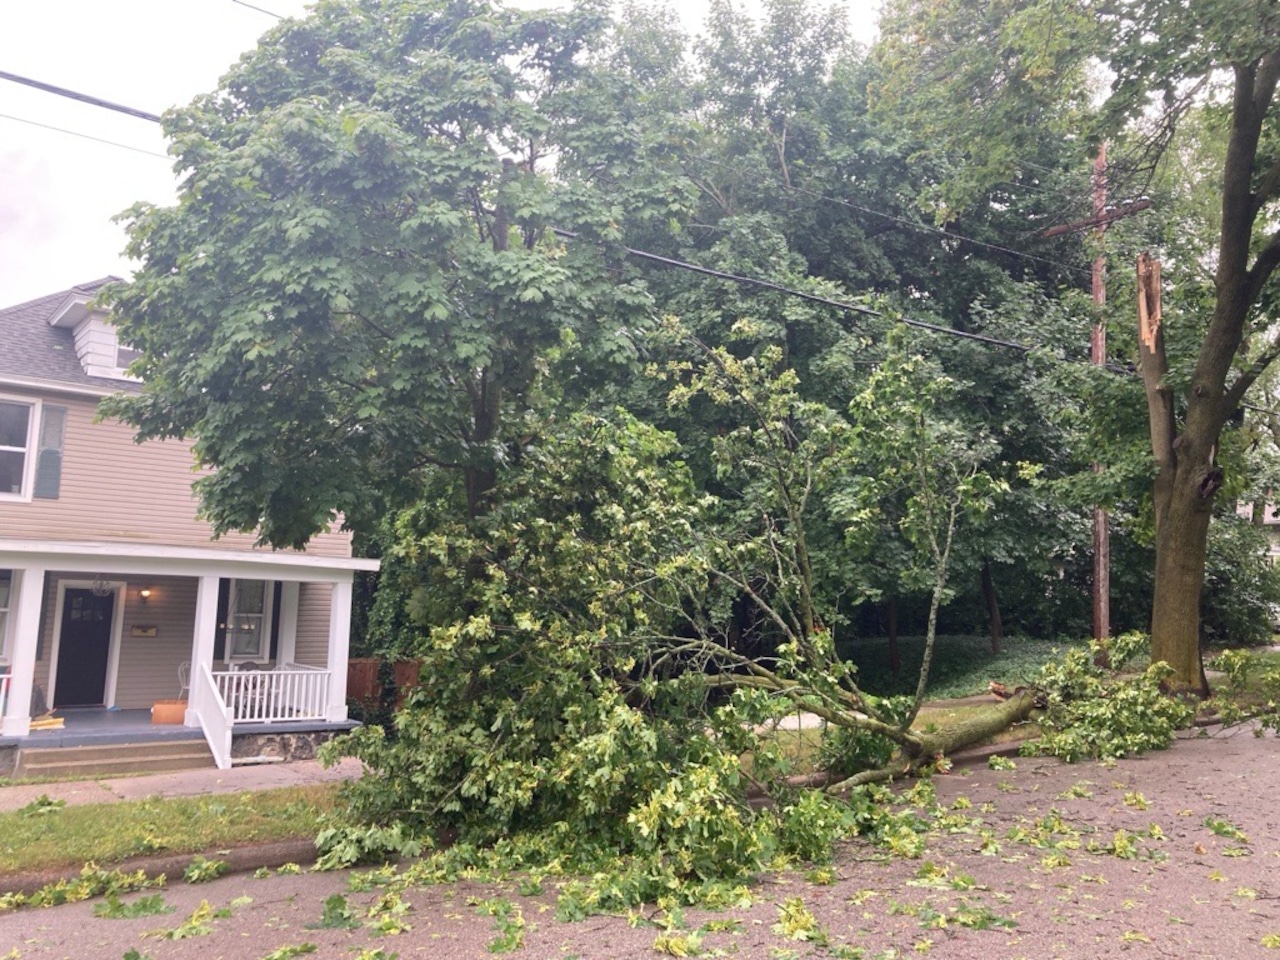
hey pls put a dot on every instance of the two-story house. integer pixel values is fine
(113, 593)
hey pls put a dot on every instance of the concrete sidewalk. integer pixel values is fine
(182, 783)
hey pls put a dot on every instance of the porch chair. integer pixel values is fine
(254, 698)
(184, 679)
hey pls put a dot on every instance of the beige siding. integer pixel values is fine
(313, 624)
(149, 665)
(115, 490)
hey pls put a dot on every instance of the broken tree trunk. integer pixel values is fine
(965, 733)
(923, 749)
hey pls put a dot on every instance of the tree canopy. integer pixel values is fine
(472, 278)
(359, 279)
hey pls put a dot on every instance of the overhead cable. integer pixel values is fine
(84, 136)
(259, 9)
(914, 224)
(940, 231)
(82, 97)
(844, 305)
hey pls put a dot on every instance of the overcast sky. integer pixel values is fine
(59, 191)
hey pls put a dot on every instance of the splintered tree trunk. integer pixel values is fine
(993, 607)
(1187, 475)
(1186, 480)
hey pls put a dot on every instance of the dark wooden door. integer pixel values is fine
(83, 648)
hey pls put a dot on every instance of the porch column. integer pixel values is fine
(206, 628)
(29, 591)
(339, 649)
(287, 642)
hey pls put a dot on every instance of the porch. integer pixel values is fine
(250, 641)
(95, 726)
(143, 746)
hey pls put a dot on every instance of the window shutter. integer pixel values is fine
(276, 593)
(53, 428)
(220, 633)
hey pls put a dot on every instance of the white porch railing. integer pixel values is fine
(4, 693)
(208, 704)
(292, 691)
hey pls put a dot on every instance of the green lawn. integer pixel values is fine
(962, 665)
(45, 836)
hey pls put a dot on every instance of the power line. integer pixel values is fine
(915, 224)
(640, 254)
(259, 9)
(843, 305)
(912, 224)
(925, 228)
(804, 295)
(84, 136)
(82, 97)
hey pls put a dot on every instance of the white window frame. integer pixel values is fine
(30, 454)
(264, 626)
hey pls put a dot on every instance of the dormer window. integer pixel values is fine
(125, 356)
(98, 348)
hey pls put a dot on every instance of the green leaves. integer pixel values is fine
(1096, 713)
(357, 281)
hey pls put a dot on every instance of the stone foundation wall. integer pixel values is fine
(282, 746)
(8, 761)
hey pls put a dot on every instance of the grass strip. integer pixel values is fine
(106, 833)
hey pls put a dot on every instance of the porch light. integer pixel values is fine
(144, 595)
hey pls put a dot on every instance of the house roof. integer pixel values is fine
(34, 352)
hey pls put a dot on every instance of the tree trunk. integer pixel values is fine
(895, 654)
(1182, 536)
(486, 409)
(993, 608)
(1186, 480)
(1001, 716)
(925, 748)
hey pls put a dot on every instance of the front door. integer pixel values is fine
(84, 647)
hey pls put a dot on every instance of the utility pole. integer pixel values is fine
(1102, 217)
(1098, 355)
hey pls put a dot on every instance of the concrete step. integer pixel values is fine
(115, 759)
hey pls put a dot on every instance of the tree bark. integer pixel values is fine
(1187, 476)
(1001, 716)
(926, 748)
(1181, 546)
(895, 654)
(1182, 510)
(993, 608)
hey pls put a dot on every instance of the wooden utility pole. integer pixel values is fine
(1098, 355)
(1102, 217)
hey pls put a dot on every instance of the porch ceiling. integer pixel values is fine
(159, 559)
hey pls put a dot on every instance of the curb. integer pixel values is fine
(238, 859)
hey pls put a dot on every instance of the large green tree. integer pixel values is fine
(359, 280)
(1020, 58)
